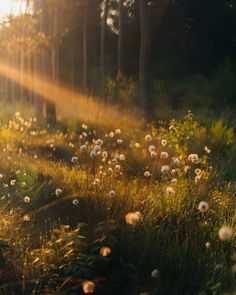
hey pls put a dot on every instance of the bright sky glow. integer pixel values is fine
(11, 7)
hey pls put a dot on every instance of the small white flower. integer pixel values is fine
(122, 157)
(27, 199)
(133, 218)
(93, 154)
(164, 155)
(148, 137)
(117, 168)
(174, 181)
(197, 178)
(193, 158)
(170, 191)
(118, 131)
(104, 155)
(176, 161)
(198, 171)
(105, 251)
(225, 233)
(83, 148)
(58, 192)
(99, 142)
(75, 202)
(119, 141)
(155, 273)
(208, 245)
(165, 169)
(207, 150)
(112, 194)
(88, 287)
(97, 148)
(153, 154)
(147, 174)
(13, 182)
(164, 142)
(151, 148)
(74, 160)
(203, 206)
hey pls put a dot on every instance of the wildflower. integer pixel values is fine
(164, 142)
(117, 168)
(97, 148)
(93, 155)
(105, 251)
(153, 154)
(118, 132)
(197, 178)
(58, 192)
(99, 142)
(225, 233)
(26, 199)
(133, 218)
(176, 161)
(151, 148)
(173, 172)
(96, 181)
(75, 202)
(170, 191)
(147, 174)
(74, 160)
(165, 169)
(208, 245)
(104, 155)
(122, 157)
(186, 169)
(148, 137)
(88, 287)
(207, 150)
(193, 158)
(198, 171)
(164, 155)
(26, 217)
(155, 273)
(119, 141)
(174, 181)
(83, 148)
(203, 206)
(13, 182)
(112, 194)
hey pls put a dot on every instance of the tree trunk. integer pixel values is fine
(144, 63)
(102, 49)
(85, 48)
(120, 57)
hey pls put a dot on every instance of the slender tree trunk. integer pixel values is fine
(85, 48)
(102, 50)
(120, 58)
(144, 63)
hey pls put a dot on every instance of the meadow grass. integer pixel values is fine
(103, 211)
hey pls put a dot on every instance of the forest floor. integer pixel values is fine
(91, 209)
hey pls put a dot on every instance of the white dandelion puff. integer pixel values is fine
(133, 218)
(225, 233)
(170, 191)
(164, 155)
(203, 207)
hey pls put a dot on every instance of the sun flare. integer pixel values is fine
(11, 7)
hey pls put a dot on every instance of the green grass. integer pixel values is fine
(54, 242)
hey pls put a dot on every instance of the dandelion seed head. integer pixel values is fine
(165, 169)
(105, 251)
(112, 194)
(27, 199)
(58, 192)
(203, 206)
(148, 137)
(133, 218)
(225, 233)
(170, 191)
(88, 287)
(147, 174)
(155, 273)
(164, 155)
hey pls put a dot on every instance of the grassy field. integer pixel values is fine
(91, 209)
